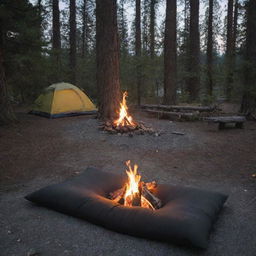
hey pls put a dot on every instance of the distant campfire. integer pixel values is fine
(125, 123)
(136, 192)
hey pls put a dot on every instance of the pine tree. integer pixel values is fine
(152, 27)
(235, 26)
(122, 29)
(229, 50)
(210, 49)
(249, 95)
(193, 83)
(145, 27)
(72, 40)
(170, 53)
(138, 48)
(107, 49)
(183, 47)
(56, 42)
(84, 48)
(6, 111)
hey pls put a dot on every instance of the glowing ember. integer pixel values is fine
(135, 192)
(124, 118)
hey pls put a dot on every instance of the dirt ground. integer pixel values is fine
(37, 151)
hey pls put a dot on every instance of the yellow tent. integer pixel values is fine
(63, 99)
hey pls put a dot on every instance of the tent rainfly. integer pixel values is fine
(63, 99)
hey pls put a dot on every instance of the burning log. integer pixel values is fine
(118, 195)
(138, 129)
(125, 123)
(151, 186)
(154, 201)
(136, 192)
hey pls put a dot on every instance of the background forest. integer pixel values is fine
(47, 41)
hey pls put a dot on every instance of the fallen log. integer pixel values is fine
(180, 108)
(175, 115)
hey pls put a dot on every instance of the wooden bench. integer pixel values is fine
(223, 120)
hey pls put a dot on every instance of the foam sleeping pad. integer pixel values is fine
(186, 217)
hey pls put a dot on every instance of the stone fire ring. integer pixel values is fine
(186, 217)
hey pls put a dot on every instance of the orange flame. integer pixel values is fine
(133, 188)
(124, 118)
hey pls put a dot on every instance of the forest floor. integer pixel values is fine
(37, 151)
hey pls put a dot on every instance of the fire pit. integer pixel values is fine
(185, 217)
(125, 123)
(136, 192)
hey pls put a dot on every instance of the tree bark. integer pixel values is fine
(138, 48)
(229, 50)
(72, 40)
(107, 50)
(210, 50)
(170, 53)
(194, 52)
(152, 27)
(235, 27)
(248, 105)
(84, 29)
(40, 15)
(56, 42)
(122, 29)
(6, 111)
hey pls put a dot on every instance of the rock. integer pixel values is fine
(33, 252)
(108, 124)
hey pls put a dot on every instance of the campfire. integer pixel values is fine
(125, 123)
(136, 192)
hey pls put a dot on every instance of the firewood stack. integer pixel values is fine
(144, 198)
(137, 128)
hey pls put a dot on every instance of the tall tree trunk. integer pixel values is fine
(185, 48)
(229, 50)
(84, 28)
(194, 51)
(170, 53)
(210, 50)
(145, 27)
(249, 96)
(235, 27)
(122, 29)
(138, 48)
(72, 40)
(107, 49)
(56, 43)
(6, 111)
(152, 27)
(40, 15)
